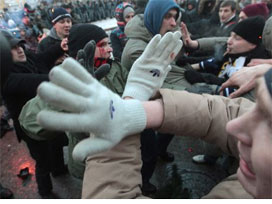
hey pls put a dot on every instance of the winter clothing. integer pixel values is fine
(154, 13)
(58, 14)
(114, 80)
(20, 86)
(251, 29)
(139, 37)
(78, 38)
(188, 107)
(117, 36)
(259, 9)
(48, 41)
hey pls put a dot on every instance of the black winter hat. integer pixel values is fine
(58, 14)
(251, 29)
(81, 34)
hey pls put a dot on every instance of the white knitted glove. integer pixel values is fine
(90, 107)
(150, 69)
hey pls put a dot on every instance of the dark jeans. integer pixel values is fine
(152, 145)
(48, 156)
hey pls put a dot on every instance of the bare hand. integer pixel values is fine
(254, 62)
(64, 44)
(245, 79)
(188, 42)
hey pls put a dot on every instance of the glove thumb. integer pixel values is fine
(90, 146)
(102, 71)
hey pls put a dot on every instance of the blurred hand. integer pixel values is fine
(188, 42)
(245, 79)
(64, 44)
(254, 62)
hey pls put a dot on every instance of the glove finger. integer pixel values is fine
(167, 45)
(73, 67)
(90, 146)
(81, 61)
(150, 48)
(172, 50)
(102, 71)
(60, 121)
(80, 55)
(89, 50)
(69, 82)
(61, 98)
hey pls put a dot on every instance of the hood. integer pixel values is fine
(53, 34)
(119, 12)
(155, 12)
(136, 29)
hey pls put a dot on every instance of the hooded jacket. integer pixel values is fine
(139, 36)
(154, 13)
(118, 37)
(48, 41)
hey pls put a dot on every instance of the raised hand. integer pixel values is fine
(150, 69)
(90, 107)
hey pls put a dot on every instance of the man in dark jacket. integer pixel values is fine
(19, 83)
(62, 24)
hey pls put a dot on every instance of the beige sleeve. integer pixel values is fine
(115, 174)
(202, 116)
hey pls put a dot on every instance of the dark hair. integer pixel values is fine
(230, 3)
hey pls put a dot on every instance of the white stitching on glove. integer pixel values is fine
(150, 69)
(91, 107)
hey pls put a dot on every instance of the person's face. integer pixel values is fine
(242, 16)
(254, 133)
(18, 54)
(169, 21)
(63, 27)
(236, 44)
(129, 16)
(103, 49)
(225, 13)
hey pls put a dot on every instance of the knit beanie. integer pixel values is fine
(81, 34)
(155, 11)
(259, 9)
(251, 29)
(58, 14)
(268, 81)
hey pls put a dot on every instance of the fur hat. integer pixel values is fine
(81, 34)
(259, 9)
(58, 14)
(251, 29)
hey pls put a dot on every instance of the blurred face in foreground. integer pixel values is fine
(254, 133)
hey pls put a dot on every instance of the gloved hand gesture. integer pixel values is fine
(150, 69)
(85, 57)
(90, 107)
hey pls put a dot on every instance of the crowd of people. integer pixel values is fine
(167, 68)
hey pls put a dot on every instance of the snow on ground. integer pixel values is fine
(108, 24)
